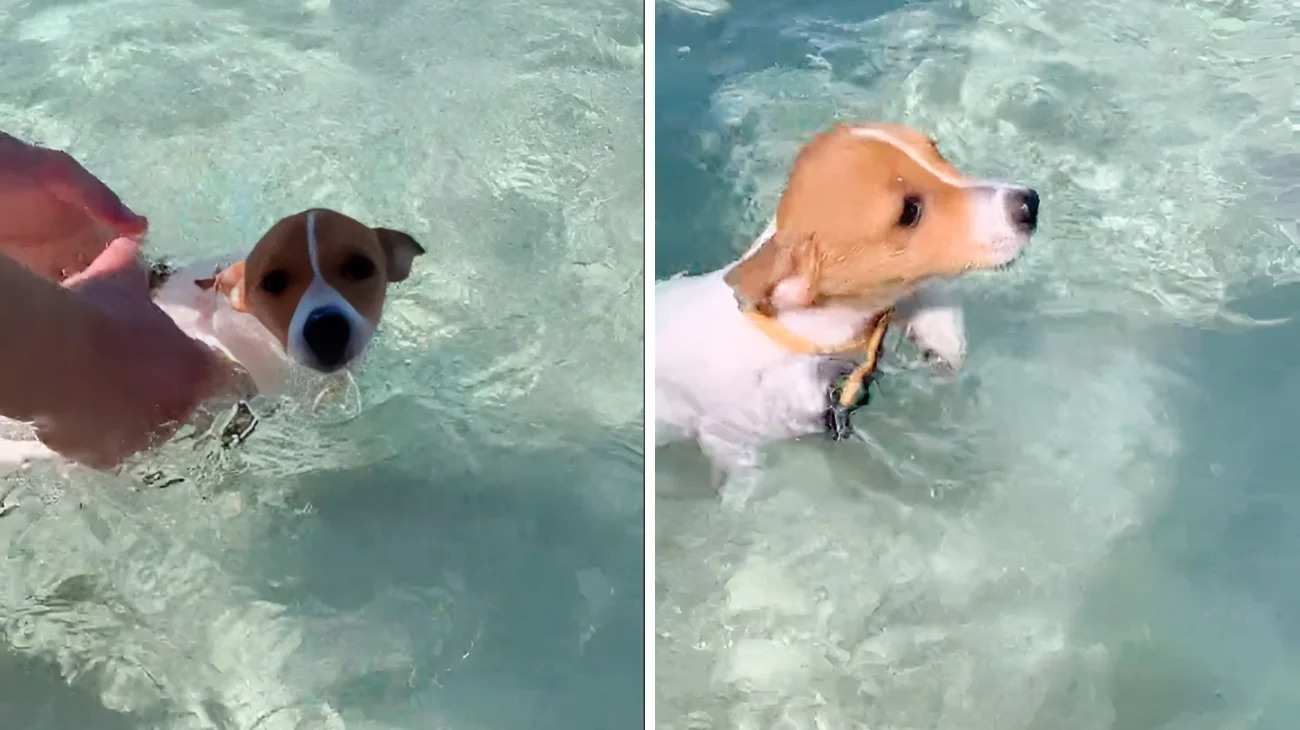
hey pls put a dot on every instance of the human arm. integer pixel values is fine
(96, 366)
(46, 329)
(93, 363)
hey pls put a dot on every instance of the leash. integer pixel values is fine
(852, 391)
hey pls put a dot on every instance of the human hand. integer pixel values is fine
(146, 376)
(55, 217)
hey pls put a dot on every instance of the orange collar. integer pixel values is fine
(866, 341)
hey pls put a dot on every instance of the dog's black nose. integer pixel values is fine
(327, 333)
(1023, 207)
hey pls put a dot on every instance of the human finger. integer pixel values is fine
(119, 265)
(68, 181)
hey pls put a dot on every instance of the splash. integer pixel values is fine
(955, 569)
(507, 138)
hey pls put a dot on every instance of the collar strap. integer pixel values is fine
(868, 342)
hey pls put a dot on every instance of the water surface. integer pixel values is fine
(462, 548)
(1095, 526)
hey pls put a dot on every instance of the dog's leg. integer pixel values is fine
(933, 321)
(735, 468)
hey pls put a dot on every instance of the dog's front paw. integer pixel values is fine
(940, 367)
(941, 349)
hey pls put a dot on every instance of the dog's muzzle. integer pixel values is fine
(328, 333)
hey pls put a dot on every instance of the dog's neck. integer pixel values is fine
(828, 327)
(206, 316)
(825, 325)
(248, 343)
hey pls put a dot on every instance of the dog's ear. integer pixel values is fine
(230, 284)
(400, 249)
(780, 275)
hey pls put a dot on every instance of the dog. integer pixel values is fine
(310, 294)
(872, 218)
(304, 303)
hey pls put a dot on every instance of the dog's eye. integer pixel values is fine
(275, 282)
(358, 268)
(911, 214)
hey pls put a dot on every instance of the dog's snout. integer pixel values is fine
(327, 333)
(1023, 208)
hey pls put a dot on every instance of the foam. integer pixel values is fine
(956, 570)
(507, 138)
(695, 7)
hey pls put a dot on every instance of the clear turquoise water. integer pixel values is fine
(1096, 525)
(464, 550)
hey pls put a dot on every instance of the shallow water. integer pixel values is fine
(463, 549)
(1095, 526)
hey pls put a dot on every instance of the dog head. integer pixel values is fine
(317, 282)
(871, 211)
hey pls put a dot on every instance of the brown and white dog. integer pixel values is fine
(872, 217)
(315, 283)
(310, 293)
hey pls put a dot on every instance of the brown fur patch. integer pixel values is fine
(838, 223)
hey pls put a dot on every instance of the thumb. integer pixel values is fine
(119, 263)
